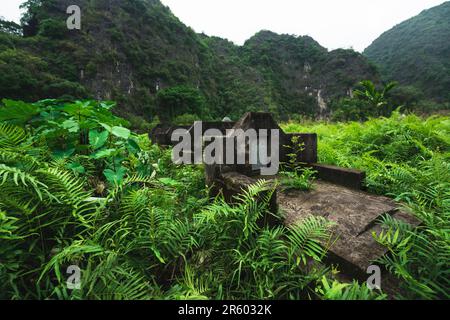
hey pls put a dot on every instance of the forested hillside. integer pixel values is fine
(299, 71)
(138, 53)
(417, 54)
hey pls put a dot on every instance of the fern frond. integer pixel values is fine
(17, 159)
(11, 136)
(135, 179)
(64, 186)
(308, 238)
(18, 176)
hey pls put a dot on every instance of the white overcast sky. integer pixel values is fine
(333, 23)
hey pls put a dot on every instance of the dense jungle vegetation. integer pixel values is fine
(82, 185)
(407, 158)
(79, 188)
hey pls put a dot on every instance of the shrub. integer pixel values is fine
(52, 28)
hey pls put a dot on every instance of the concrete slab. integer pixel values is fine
(355, 214)
(351, 178)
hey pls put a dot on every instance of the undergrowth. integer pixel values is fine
(79, 189)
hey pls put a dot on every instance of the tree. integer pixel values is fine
(351, 109)
(10, 27)
(29, 20)
(52, 28)
(377, 99)
(407, 96)
(179, 100)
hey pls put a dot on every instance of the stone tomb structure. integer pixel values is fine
(337, 195)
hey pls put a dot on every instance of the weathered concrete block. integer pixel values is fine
(347, 177)
(350, 178)
(309, 141)
(213, 172)
(170, 131)
(257, 120)
(158, 134)
(162, 134)
(356, 215)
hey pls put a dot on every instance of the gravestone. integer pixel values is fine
(337, 195)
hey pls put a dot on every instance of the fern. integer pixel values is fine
(346, 291)
(309, 237)
(19, 177)
(156, 234)
(11, 136)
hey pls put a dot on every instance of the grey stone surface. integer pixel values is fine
(345, 177)
(355, 214)
(309, 141)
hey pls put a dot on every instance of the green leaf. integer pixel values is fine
(132, 146)
(62, 154)
(98, 139)
(115, 177)
(79, 108)
(108, 105)
(17, 112)
(121, 132)
(169, 182)
(71, 125)
(158, 254)
(77, 167)
(103, 153)
(106, 126)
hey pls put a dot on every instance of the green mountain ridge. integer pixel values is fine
(416, 53)
(131, 50)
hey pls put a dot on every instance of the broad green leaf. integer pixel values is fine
(98, 139)
(17, 112)
(121, 132)
(106, 126)
(77, 167)
(115, 177)
(132, 146)
(71, 125)
(103, 153)
(108, 105)
(79, 108)
(62, 154)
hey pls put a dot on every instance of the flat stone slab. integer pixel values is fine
(355, 214)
